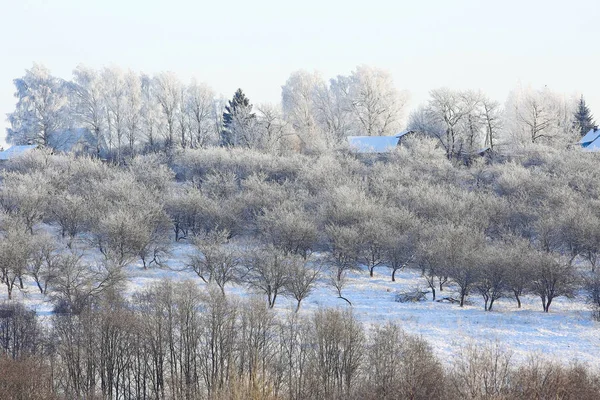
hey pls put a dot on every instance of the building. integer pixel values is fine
(375, 144)
(591, 141)
(16, 151)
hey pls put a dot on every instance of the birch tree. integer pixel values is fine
(41, 107)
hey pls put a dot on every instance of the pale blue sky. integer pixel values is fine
(255, 45)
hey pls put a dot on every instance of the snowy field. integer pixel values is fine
(567, 333)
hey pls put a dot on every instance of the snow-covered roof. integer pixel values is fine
(593, 147)
(400, 134)
(590, 136)
(16, 151)
(373, 144)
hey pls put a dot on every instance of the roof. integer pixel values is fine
(16, 151)
(593, 147)
(405, 132)
(373, 144)
(590, 137)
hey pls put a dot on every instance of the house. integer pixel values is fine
(375, 144)
(16, 151)
(591, 141)
(77, 141)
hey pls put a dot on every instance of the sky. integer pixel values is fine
(493, 46)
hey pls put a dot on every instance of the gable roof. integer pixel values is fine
(16, 151)
(405, 132)
(589, 137)
(373, 144)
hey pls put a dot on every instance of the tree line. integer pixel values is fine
(130, 113)
(178, 342)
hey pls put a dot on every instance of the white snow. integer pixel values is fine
(567, 333)
(16, 151)
(372, 144)
(590, 137)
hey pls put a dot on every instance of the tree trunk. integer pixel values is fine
(345, 299)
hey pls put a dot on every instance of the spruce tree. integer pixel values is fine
(237, 115)
(584, 120)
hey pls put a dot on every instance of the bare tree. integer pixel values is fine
(289, 228)
(268, 272)
(493, 276)
(535, 116)
(302, 279)
(344, 244)
(79, 283)
(375, 104)
(552, 277)
(89, 104)
(42, 265)
(199, 105)
(338, 281)
(338, 352)
(483, 372)
(133, 109)
(167, 90)
(442, 118)
(26, 196)
(400, 243)
(216, 261)
(115, 97)
(15, 253)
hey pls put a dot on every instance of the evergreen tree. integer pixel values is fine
(584, 120)
(237, 119)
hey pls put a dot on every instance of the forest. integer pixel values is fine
(272, 200)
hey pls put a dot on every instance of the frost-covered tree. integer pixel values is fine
(331, 109)
(298, 104)
(551, 277)
(88, 102)
(151, 120)
(239, 122)
(539, 116)
(375, 104)
(167, 89)
(133, 109)
(199, 107)
(274, 131)
(302, 279)
(492, 117)
(215, 261)
(41, 107)
(15, 252)
(450, 116)
(583, 118)
(290, 229)
(268, 272)
(115, 97)
(26, 196)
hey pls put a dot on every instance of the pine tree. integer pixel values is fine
(584, 120)
(236, 118)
